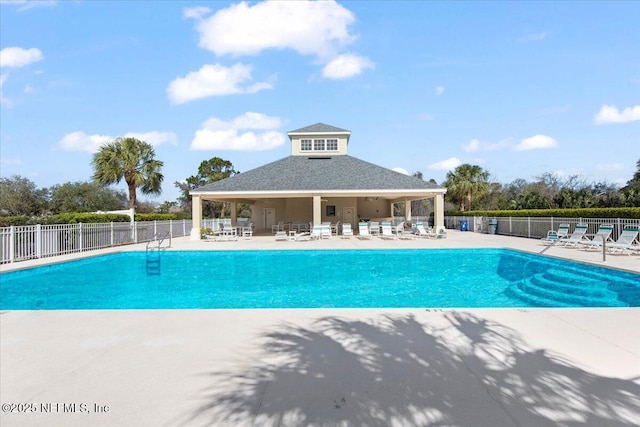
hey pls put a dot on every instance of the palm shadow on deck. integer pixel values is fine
(396, 370)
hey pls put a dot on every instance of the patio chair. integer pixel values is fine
(553, 236)
(326, 231)
(228, 232)
(374, 228)
(422, 232)
(575, 237)
(363, 231)
(603, 234)
(625, 244)
(403, 234)
(316, 232)
(281, 236)
(347, 232)
(335, 228)
(387, 232)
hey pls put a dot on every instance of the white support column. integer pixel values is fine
(438, 212)
(317, 210)
(234, 213)
(196, 214)
(407, 210)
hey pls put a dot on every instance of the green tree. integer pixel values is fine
(464, 181)
(212, 170)
(85, 197)
(132, 160)
(21, 196)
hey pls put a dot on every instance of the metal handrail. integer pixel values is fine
(155, 238)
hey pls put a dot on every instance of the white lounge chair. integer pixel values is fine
(430, 233)
(553, 236)
(281, 235)
(575, 237)
(387, 232)
(625, 244)
(335, 228)
(421, 231)
(604, 232)
(347, 232)
(374, 228)
(316, 232)
(228, 233)
(363, 231)
(326, 231)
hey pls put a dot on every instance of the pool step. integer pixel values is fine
(153, 262)
(554, 288)
(591, 288)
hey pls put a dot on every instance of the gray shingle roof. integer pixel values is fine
(311, 173)
(320, 128)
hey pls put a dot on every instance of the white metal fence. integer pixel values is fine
(20, 243)
(536, 227)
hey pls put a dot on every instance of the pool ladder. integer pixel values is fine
(152, 258)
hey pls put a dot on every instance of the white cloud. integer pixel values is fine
(611, 114)
(346, 66)
(425, 116)
(472, 146)
(29, 89)
(80, 141)
(197, 12)
(154, 137)
(15, 57)
(238, 134)
(610, 167)
(11, 161)
(317, 28)
(445, 165)
(536, 142)
(29, 4)
(214, 80)
(439, 90)
(534, 37)
(5, 102)
(400, 170)
(477, 145)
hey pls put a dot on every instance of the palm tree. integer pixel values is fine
(465, 180)
(133, 160)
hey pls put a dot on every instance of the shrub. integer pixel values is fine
(85, 218)
(154, 216)
(633, 213)
(8, 221)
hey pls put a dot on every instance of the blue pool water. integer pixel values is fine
(315, 279)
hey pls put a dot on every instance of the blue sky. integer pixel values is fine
(519, 88)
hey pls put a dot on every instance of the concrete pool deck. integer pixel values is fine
(416, 366)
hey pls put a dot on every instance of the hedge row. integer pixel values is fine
(85, 218)
(154, 216)
(633, 213)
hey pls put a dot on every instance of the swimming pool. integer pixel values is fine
(317, 279)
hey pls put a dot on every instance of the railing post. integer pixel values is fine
(528, 227)
(12, 242)
(38, 241)
(184, 227)
(80, 237)
(155, 228)
(111, 233)
(135, 232)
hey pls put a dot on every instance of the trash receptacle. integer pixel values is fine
(493, 225)
(464, 225)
